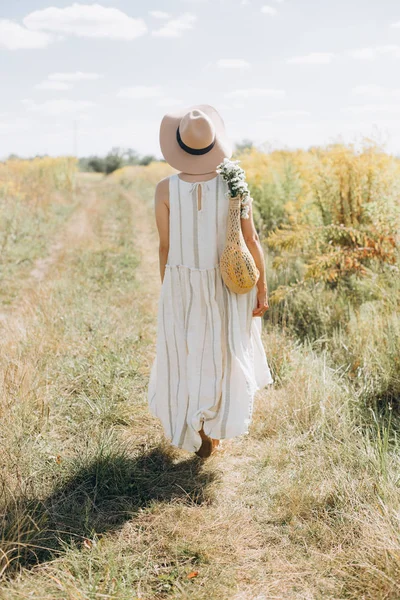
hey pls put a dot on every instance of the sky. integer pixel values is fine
(81, 77)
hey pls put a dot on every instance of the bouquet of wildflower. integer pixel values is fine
(236, 179)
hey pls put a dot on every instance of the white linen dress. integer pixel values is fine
(210, 359)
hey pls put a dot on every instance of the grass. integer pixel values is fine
(25, 240)
(95, 504)
(331, 220)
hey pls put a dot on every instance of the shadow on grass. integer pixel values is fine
(98, 497)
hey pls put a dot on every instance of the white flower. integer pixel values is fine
(235, 177)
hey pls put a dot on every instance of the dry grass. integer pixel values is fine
(35, 182)
(36, 199)
(149, 175)
(93, 502)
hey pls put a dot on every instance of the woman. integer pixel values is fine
(210, 359)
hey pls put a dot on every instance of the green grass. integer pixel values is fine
(26, 233)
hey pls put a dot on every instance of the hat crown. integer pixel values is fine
(194, 140)
(197, 129)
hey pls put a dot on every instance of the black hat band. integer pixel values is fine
(194, 151)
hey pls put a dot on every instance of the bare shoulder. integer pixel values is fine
(162, 192)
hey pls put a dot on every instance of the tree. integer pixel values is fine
(96, 164)
(147, 159)
(113, 161)
(131, 157)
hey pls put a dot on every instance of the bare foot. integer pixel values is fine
(206, 447)
(203, 435)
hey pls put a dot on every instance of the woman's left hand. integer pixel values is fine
(262, 303)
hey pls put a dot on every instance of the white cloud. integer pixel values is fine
(60, 86)
(58, 107)
(372, 108)
(397, 24)
(175, 27)
(232, 63)
(15, 37)
(256, 93)
(376, 91)
(159, 14)
(94, 21)
(391, 50)
(140, 92)
(268, 10)
(232, 106)
(367, 90)
(169, 102)
(314, 58)
(363, 53)
(289, 113)
(16, 123)
(65, 81)
(72, 77)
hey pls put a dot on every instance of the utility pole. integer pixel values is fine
(75, 135)
(75, 151)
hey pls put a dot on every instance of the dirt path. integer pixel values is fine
(78, 227)
(230, 461)
(146, 242)
(15, 318)
(228, 522)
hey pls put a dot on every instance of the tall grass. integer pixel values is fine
(35, 182)
(330, 220)
(148, 176)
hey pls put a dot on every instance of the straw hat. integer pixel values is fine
(194, 140)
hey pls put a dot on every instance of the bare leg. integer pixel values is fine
(203, 434)
(206, 447)
(208, 444)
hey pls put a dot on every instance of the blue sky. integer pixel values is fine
(284, 73)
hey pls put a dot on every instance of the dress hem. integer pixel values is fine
(229, 436)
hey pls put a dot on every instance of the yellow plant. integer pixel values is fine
(151, 173)
(35, 181)
(337, 207)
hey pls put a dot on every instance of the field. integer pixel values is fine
(94, 504)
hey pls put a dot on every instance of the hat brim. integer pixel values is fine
(189, 163)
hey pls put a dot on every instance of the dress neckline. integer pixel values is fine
(194, 182)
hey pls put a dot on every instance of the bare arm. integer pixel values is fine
(161, 208)
(253, 243)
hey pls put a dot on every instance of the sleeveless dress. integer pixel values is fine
(210, 359)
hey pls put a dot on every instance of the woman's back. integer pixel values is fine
(197, 222)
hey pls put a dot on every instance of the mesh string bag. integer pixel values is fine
(238, 268)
